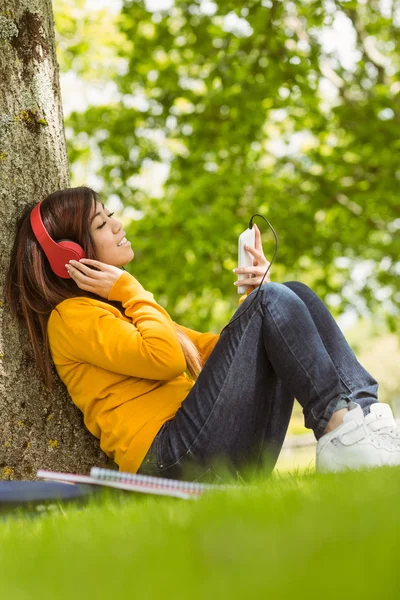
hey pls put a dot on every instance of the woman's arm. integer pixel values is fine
(90, 331)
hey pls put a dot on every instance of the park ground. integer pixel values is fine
(290, 536)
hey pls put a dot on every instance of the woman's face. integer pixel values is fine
(109, 238)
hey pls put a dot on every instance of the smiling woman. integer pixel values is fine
(98, 323)
(124, 360)
(112, 247)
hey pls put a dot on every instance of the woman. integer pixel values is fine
(124, 361)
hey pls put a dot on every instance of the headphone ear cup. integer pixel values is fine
(75, 248)
(58, 253)
(66, 251)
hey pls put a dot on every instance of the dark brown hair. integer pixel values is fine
(32, 290)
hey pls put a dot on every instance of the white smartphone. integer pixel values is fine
(245, 259)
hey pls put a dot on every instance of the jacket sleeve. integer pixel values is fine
(205, 342)
(91, 332)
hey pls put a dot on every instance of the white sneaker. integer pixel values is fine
(381, 421)
(353, 445)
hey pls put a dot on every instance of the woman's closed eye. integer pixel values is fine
(104, 222)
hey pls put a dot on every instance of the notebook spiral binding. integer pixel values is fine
(163, 482)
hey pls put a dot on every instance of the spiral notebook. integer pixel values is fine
(134, 483)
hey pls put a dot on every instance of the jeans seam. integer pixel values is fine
(338, 369)
(264, 441)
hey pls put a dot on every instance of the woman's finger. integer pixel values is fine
(76, 274)
(245, 282)
(254, 281)
(94, 263)
(85, 269)
(256, 269)
(260, 260)
(257, 243)
(254, 251)
(243, 270)
(73, 271)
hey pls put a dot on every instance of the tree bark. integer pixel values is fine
(37, 429)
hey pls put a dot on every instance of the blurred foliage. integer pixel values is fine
(252, 112)
(87, 41)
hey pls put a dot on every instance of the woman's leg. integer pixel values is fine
(244, 395)
(362, 387)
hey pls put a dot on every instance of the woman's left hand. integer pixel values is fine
(260, 265)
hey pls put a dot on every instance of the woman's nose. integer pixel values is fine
(117, 225)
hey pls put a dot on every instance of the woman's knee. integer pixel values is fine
(296, 285)
(299, 288)
(277, 292)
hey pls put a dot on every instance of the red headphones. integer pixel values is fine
(58, 253)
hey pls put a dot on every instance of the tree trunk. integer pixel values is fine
(37, 429)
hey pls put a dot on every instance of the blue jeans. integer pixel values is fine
(286, 346)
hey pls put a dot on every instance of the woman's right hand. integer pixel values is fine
(98, 281)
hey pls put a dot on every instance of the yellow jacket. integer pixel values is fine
(125, 372)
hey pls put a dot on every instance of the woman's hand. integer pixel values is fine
(97, 282)
(260, 265)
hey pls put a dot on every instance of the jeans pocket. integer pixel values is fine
(151, 462)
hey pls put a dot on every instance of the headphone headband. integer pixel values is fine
(58, 253)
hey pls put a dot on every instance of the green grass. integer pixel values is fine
(331, 536)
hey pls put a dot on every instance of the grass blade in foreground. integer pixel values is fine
(324, 536)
